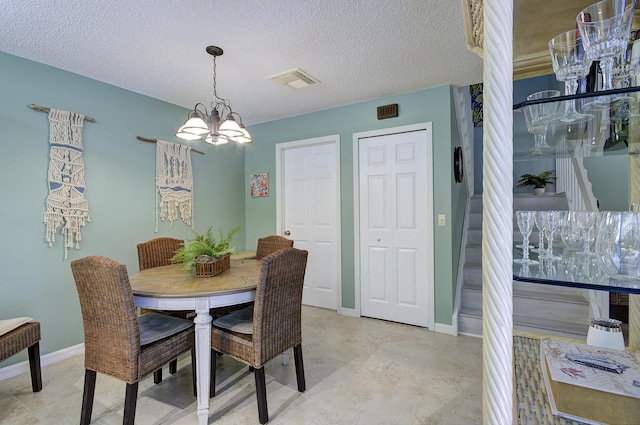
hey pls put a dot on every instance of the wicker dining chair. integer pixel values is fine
(118, 342)
(158, 252)
(270, 244)
(257, 334)
(26, 336)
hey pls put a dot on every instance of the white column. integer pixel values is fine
(497, 240)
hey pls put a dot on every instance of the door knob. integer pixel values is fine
(378, 240)
(287, 233)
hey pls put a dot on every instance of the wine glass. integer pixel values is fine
(618, 245)
(570, 63)
(586, 222)
(539, 222)
(551, 222)
(538, 117)
(570, 231)
(605, 29)
(626, 65)
(525, 221)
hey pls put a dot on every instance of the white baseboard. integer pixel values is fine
(445, 329)
(46, 360)
(351, 312)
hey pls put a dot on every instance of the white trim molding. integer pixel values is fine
(45, 360)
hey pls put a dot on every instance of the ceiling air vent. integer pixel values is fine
(294, 78)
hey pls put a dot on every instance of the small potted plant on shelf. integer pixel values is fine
(539, 181)
(205, 254)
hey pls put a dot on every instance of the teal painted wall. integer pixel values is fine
(35, 280)
(433, 105)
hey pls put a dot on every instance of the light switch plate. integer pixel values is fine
(442, 220)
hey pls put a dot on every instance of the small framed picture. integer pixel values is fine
(259, 185)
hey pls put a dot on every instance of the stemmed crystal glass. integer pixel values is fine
(618, 245)
(570, 230)
(551, 221)
(538, 117)
(605, 29)
(539, 222)
(626, 66)
(570, 63)
(586, 221)
(525, 221)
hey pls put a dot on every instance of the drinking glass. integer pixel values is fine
(570, 63)
(586, 222)
(618, 245)
(626, 66)
(525, 221)
(605, 29)
(551, 222)
(570, 230)
(540, 226)
(538, 117)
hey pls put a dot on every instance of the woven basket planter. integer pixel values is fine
(213, 267)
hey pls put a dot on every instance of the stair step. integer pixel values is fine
(472, 274)
(538, 303)
(552, 327)
(473, 254)
(470, 323)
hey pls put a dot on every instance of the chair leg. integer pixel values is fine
(87, 396)
(212, 381)
(261, 394)
(130, 400)
(193, 372)
(297, 354)
(157, 376)
(173, 366)
(34, 365)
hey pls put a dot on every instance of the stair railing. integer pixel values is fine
(462, 102)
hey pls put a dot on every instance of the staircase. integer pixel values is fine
(547, 309)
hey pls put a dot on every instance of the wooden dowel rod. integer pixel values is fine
(43, 109)
(144, 139)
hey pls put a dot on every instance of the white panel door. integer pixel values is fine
(395, 188)
(310, 218)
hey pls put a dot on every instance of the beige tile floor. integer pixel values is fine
(358, 371)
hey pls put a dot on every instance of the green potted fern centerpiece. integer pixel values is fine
(206, 255)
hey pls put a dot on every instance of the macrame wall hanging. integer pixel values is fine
(174, 182)
(67, 210)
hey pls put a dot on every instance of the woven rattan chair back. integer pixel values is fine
(157, 252)
(277, 322)
(112, 332)
(270, 244)
(277, 311)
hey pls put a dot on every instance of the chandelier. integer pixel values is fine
(220, 126)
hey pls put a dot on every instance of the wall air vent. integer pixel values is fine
(294, 79)
(388, 111)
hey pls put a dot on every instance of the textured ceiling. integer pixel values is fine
(358, 49)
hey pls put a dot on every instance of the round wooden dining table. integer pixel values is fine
(175, 288)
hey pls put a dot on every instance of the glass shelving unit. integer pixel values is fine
(614, 129)
(572, 270)
(605, 132)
